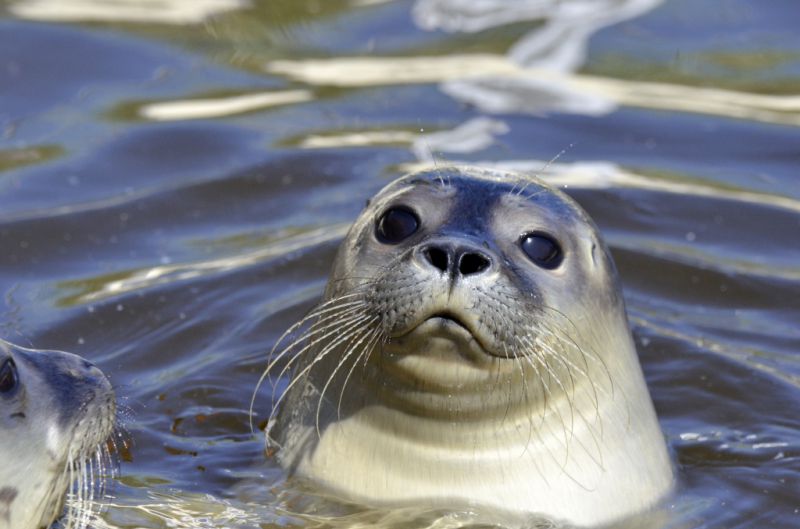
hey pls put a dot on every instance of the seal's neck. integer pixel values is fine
(585, 460)
(576, 439)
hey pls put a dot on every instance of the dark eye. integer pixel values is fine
(396, 224)
(8, 376)
(542, 250)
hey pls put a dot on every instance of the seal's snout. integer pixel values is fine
(455, 258)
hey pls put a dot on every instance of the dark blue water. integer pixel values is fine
(172, 247)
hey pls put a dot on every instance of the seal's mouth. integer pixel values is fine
(448, 318)
(442, 322)
(447, 325)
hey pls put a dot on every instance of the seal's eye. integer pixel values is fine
(396, 224)
(542, 250)
(8, 376)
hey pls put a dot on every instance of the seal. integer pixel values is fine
(57, 412)
(472, 350)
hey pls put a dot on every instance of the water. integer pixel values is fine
(174, 182)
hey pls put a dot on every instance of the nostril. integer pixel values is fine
(437, 257)
(472, 263)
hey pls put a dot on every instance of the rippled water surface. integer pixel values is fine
(175, 177)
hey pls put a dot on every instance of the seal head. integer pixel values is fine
(56, 411)
(473, 349)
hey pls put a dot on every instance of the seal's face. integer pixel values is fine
(472, 347)
(471, 276)
(56, 411)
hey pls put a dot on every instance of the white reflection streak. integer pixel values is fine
(472, 16)
(376, 71)
(158, 275)
(189, 511)
(368, 71)
(714, 101)
(158, 11)
(471, 136)
(221, 106)
(559, 44)
(358, 139)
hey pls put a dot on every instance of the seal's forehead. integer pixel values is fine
(465, 178)
(475, 186)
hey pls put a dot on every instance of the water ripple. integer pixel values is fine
(102, 287)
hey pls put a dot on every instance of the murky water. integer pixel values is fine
(174, 180)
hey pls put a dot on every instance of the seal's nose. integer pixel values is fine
(456, 258)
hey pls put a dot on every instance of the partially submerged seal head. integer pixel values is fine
(472, 349)
(56, 411)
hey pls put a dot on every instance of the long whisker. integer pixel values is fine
(546, 167)
(551, 351)
(373, 338)
(596, 389)
(591, 355)
(553, 376)
(326, 312)
(351, 347)
(525, 393)
(344, 333)
(300, 376)
(318, 335)
(321, 315)
(569, 394)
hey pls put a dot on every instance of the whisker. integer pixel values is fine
(299, 376)
(359, 325)
(543, 380)
(546, 166)
(560, 356)
(324, 330)
(586, 357)
(373, 338)
(325, 309)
